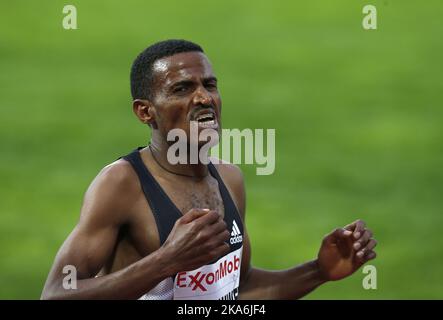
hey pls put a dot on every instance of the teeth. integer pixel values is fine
(208, 116)
(207, 124)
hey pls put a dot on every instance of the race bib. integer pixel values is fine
(217, 281)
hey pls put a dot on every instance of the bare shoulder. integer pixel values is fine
(111, 193)
(118, 174)
(233, 178)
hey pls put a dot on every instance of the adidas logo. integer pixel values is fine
(236, 236)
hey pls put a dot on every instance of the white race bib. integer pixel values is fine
(219, 280)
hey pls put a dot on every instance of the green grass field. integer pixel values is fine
(358, 119)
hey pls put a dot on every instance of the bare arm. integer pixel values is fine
(197, 238)
(92, 241)
(342, 252)
(292, 283)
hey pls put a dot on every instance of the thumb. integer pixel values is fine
(336, 235)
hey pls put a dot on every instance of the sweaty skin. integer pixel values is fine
(116, 237)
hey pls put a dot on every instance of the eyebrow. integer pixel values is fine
(210, 79)
(187, 82)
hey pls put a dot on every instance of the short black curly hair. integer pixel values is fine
(141, 70)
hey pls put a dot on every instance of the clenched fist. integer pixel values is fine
(197, 238)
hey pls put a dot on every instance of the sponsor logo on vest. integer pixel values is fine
(201, 281)
(236, 236)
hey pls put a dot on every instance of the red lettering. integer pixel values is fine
(181, 276)
(198, 281)
(212, 278)
(230, 266)
(236, 262)
(222, 269)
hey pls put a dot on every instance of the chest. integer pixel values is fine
(197, 195)
(142, 233)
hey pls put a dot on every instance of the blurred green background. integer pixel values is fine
(358, 119)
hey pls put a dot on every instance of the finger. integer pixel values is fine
(370, 246)
(208, 219)
(222, 250)
(357, 228)
(367, 249)
(213, 231)
(219, 226)
(218, 251)
(370, 256)
(212, 241)
(221, 237)
(194, 214)
(362, 242)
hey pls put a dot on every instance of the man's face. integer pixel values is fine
(184, 90)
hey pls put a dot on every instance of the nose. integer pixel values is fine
(202, 97)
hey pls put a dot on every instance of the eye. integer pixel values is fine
(211, 85)
(180, 89)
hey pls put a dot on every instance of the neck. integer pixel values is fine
(159, 151)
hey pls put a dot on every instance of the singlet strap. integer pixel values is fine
(231, 212)
(164, 210)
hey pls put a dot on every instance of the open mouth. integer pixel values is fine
(206, 119)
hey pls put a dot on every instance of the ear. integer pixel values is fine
(145, 112)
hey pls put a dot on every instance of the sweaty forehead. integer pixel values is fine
(181, 66)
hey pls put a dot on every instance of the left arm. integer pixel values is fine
(342, 252)
(339, 257)
(292, 283)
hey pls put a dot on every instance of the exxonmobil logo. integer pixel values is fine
(201, 280)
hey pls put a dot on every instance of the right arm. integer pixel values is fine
(92, 241)
(105, 209)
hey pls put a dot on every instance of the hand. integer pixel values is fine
(196, 239)
(345, 250)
